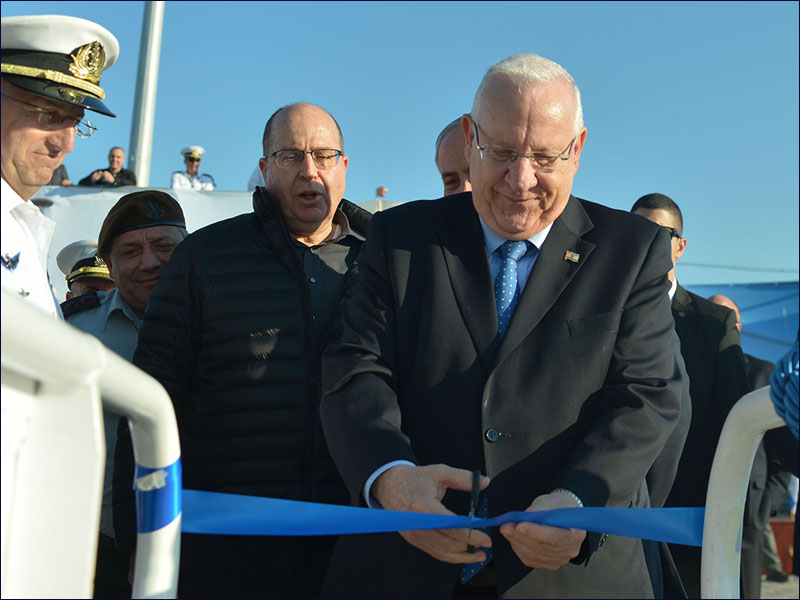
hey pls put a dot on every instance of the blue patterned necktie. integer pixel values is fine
(469, 569)
(506, 290)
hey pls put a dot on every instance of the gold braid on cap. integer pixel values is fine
(87, 63)
(101, 272)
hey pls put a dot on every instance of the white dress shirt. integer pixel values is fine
(24, 243)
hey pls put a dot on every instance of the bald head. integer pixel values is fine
(728, 303)
(286, 112)
(451, 159)
(304, 169)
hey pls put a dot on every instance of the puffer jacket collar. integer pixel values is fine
(268, 212)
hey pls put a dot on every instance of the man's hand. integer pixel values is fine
(421, 489)
(107, 177)
(542, 546)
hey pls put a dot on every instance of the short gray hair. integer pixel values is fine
(448, 128)
(529, 71)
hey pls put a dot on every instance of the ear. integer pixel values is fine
(578, 148)
(69, 295)
(681, 248)
(107, 259)
(262, 165)
(469, 135)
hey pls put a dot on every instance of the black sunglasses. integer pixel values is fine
(672, 232)
(192, 159)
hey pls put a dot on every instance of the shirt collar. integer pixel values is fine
(117, 302)
(672, 289)
(10, 198)
(494, 241)
(341, 228)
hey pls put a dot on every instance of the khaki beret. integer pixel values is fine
(146, 208)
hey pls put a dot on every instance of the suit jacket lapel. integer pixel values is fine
(551, 273)
(470, 277)
(681, 301)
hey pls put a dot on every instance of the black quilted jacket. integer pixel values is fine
(227, 333)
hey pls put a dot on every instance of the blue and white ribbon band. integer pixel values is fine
(234, 514)
(158, 496)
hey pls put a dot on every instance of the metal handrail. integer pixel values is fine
(55, 353)
(749, 418)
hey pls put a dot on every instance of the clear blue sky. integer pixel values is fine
(697, 100)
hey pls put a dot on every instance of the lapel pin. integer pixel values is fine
(10, 262)
(571, 256)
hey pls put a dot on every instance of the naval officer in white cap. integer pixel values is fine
(51, 69)
(190, 179)
(84, 271)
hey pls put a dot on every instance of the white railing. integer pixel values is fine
(749, 418)
(53, 376)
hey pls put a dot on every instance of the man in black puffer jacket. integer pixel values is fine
(235, 331)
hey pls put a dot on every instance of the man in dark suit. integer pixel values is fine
(564, 404)
(769, 482)
(717, 376)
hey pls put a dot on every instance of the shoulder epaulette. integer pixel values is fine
(80, 303)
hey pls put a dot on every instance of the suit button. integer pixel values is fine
(492, 434)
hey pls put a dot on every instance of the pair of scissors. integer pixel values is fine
(473, 504)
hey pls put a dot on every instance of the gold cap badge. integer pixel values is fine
(88, 61)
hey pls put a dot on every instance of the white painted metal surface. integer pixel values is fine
(144, 111)
(53, 450)
(750, 417)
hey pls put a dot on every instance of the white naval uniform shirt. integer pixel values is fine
(183, 181)
(24, 243)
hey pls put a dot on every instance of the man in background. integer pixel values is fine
(136, 241)
(451, 159)
(60, 177)
(769, 483)
(114, 175)
(51, 69)
(191, 178)
(84, 271)
(717, 379)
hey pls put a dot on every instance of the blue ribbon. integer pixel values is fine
(234, 514)
(159, 506)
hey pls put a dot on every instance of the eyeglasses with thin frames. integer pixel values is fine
(52, 120)
(324, 158)
(501, 154)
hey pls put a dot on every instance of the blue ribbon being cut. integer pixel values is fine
(234, 514)
(158, 496)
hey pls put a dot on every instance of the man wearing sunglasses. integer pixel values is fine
(235, 331)
(717, 375)
(191, 179)
(51, 69)
(514, 330)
